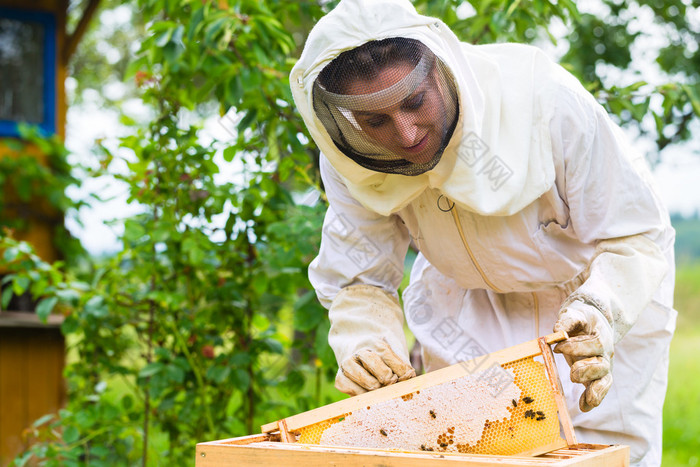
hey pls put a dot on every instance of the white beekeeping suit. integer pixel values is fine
(534, 213)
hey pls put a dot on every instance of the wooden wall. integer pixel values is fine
(31, 377)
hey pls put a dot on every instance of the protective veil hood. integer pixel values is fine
(499, 157)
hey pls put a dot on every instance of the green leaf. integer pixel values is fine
(163, 38)
(307, 314)
(151, 369)
(68, 295)
(127, 402)
(218, 374)
(71, 434)
(95, 307)
(693, 97)
(43, 309)
(240, 379)
(321, 347)
(10, 254)
(161, 234)
(6, 297)
(240, 359)
(247, 120)
(213, 29)
(194, 252)
(19, 285)
(230, 153)
(272, 345)
(195, 21)
(70, 325)
(44, 419)
(294, 382)
(175, 374)
(133, 230)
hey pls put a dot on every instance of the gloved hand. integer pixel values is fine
(372, 369)
(367, 338)
(588, 350)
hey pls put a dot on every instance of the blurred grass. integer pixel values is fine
(682, 407)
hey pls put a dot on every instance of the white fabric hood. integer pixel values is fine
(499, 158)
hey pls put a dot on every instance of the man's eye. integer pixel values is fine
(414, 102)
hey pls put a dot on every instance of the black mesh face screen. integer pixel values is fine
(389, 105)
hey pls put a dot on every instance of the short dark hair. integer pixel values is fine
(366, 61)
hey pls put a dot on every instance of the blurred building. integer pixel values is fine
(35, 48)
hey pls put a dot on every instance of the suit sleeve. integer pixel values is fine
(613, 205)
(357, 272)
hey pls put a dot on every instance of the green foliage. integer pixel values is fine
(500, 20)
(186, 316)
(25, 273)
(603, 41)
(34, 179)
(104, 52)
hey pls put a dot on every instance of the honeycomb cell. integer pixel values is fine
(312, 434)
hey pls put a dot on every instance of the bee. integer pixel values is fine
(383, 432)
(422, 447)
(529, 414)
(432, 414)
(540, 415)
(443, 445)
(515, 403)
(528, 400)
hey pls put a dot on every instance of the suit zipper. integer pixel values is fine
(536, 305)
(455, 216)
(535, 300)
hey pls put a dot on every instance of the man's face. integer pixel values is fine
(412, 128)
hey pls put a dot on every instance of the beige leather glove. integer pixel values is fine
(588, 350)
(372, 369)
(367, 337)
(622, 278)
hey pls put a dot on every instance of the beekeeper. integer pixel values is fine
(530, 211)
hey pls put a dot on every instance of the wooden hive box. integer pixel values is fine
(267, 450)
(504, 408)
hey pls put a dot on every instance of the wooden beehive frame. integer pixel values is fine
(287, 427)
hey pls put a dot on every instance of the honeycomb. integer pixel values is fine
(525, 418)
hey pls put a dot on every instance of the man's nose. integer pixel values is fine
(405, 130)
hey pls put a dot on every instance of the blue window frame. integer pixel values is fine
(27, 70)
